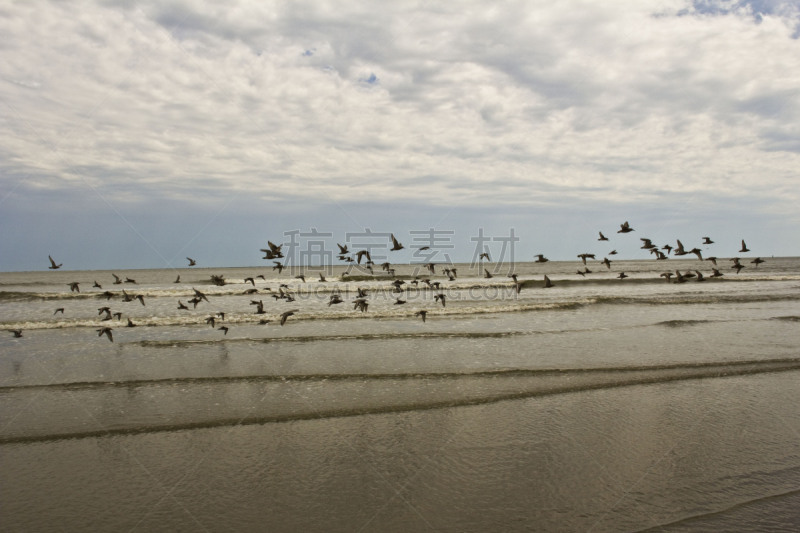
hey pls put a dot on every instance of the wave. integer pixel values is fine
(790, 318)
(457, 308)
(448, 391)
(681, 323)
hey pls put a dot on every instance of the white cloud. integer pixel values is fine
(478, 102)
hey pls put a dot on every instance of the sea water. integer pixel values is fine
(598, 404)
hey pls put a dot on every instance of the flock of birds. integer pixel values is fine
(361, 303)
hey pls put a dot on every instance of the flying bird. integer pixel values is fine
(53, 265)
(547, 282)
(602, 237)
(396, 245)
(744, 247)
(287, 314)
(192, 262)
(106, 332)
(422, 314)
(625, 228)
(17, 332)
(541, 258)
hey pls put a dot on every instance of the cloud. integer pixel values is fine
(477, 103)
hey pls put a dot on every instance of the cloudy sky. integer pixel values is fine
(136, 133)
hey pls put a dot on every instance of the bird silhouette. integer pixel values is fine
(602, 237)
(625, 228)
(192, 262)
(53, 265)
(106, 332)
(422, 313)
(286, 314)
(395, 244)
(744, 248)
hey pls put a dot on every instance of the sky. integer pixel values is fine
(134, 134)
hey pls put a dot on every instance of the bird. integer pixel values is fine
(487, 274)
(612, 252)
(342, 249)
(287, 314)
(97, 285)
(712, 259)
(716, 273)
(17, 332)
(53, 265)
(700, 276)
(361, 254)
(178, 279)
(251, 280)
(484, 255)
(625, 228)
(647, 244)
(335, 299)
(130, 324)
(622, 275)
(422, 313)
(744, 247)
(322, 278)
(440, 298)
(59, 310)
(278, 266)
(547, 282)
(757, 261)
(140, 298)
(181, 305)
(607, 263)
(74, 287)
(666, 275)
(224, 329)
(361, 304)
(211, 320)
(602, 237)
(192, 262)
(301, 277)
(106, 332)
(199, 294)
(707, 240)
(396, 245)
(273, 252)
(117, 280)
(129, 280)
(541, 258)
(399, 301)
(584, 257)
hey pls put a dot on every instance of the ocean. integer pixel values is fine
(596, 404)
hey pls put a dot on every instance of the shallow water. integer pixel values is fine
(595, 405)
